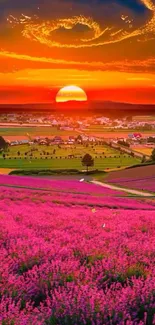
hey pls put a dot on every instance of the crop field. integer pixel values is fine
(33, 131)
(104, 132)
(142, 149)
(20, 132)
(74, 253)
(37, 156)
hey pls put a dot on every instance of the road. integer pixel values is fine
(117, 188)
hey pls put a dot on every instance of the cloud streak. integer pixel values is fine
(124, 66)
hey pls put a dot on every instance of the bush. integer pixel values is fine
(54, 172)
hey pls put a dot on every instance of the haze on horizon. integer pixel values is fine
(106, 47)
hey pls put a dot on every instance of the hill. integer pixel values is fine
(106, 107)
(142, 178)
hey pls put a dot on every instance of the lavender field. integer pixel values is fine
(143, 183)
(74, 254)
(139, 178)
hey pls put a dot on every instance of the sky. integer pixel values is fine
(106, 47)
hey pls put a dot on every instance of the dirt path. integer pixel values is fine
(117, 188)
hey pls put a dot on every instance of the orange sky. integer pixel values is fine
(22, 85)
(106, 50)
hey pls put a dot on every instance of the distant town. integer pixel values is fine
(61, 129)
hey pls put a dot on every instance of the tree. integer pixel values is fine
(124, 143)
(153, 155)
(3, 143)
(129, 118)
(143, 159)
(151, 139)
(87, 161)
(79, 138)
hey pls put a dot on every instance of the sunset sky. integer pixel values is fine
(106, 47)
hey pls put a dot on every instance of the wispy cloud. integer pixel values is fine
(139, 79)
(124, 66)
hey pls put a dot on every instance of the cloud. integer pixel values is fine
(42, 31)
(80, 35)
(139, 79)
(124, 66)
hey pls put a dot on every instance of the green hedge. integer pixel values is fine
(43, 172)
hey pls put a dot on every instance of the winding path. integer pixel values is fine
(117, 188)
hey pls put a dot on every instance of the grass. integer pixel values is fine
(52, 131)
(34, 131)
(54, 163)
(57, 157)
(102, 129)
(63, 150)
(145, 151)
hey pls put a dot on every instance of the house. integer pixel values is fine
(23, 141)
(14, 143)
(92, 139)
(57, 140)
(70, 142)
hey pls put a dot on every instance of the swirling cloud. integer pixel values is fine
(94, 34)
(42, 32)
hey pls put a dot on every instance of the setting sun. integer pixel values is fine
(71, 93)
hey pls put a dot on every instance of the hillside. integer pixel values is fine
(142, 178)
(106, 107)
(68, 249)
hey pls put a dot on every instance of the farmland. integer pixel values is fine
(64, 156)
(141, 178)
(68, 248)
(20, 132)
(34, 131)
(143, 149)
(105, 132)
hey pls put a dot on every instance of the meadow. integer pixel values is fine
(73, 253)
(64, 156)
(34, 131)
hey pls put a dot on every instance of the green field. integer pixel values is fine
(35, 131)
(54, 163)
(37, 156)
(102, 129)
(53, 131)
(61, 151)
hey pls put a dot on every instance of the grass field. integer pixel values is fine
(16, 133)
(34, 131)
(37, 156)
(101, 132)
(102, 129)
(62, 150)
(143, 150)
(54, 163)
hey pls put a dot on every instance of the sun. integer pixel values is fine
(71, 93)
